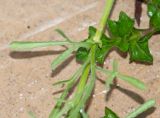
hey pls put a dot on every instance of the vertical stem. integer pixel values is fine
(102, 24)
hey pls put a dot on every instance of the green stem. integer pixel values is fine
(102, 24)
(81, 85)
(89, 86)
(70, 84)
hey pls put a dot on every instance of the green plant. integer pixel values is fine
(93, 51)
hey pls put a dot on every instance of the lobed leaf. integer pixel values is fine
(109, 113)
(139, 50)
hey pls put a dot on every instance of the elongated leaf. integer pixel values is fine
(133, 81)
(105, 71)
(61, 82)
(63, 34)
(109, 80)
(62, 58)
(70, 84)
(115, 65)
(142, 108)
(24, 46)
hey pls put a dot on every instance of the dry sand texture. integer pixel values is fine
(26, 78)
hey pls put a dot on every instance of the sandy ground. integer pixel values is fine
(26, 78)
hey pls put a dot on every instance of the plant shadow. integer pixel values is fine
(32, 54)
(136, 97)
(146, 113)
(62, 66)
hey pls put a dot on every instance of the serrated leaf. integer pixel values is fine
(122, 44)
(125, 24)
(113, 28)
(110, 114)
(122, 27)
(139, 50)
(155, 20)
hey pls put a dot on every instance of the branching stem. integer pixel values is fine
(102, 24)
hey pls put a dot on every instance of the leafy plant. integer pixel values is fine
(93, 51)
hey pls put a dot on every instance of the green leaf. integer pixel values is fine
(109, 80)
(113, 28)
(83, 113)
(24, 46)
(101, 53)
(122, 44)
(62, 58)
(120, 31)
(151, 9)
(82, 54)
(63, 34)
(139, 50)
(61, 82)
(155, 20)
(133, 81)
(122, 27)
(107, 44)
(148, 104)
(109, 113)
(125, 24)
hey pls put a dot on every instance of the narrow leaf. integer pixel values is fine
(70, 84)
(62, 58)
(61, 82)
(105, 71)
(63, 34)
(24, 46)
(109, 80)
(133, 81)
(142, 108)
(115, 65)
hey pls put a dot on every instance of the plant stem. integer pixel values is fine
(89, 86)
(81, 85)
(70, 84)
(102, 24)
